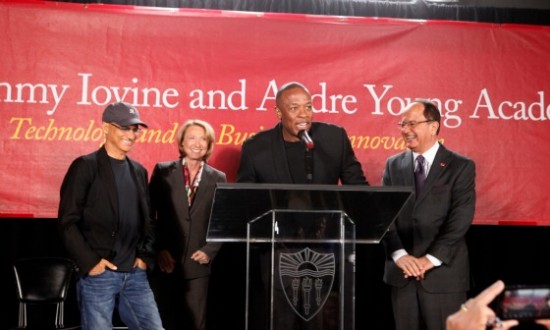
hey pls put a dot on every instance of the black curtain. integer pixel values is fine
(535, 12)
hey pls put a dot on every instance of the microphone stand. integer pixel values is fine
(309, 165)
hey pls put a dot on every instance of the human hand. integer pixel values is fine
(200, 257)
(101, 266)
(544, 322)
(139, 263)
(410, 266)
(476, 314)
(166, 261)
(426, 265)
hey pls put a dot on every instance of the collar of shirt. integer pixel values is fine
(198, 177)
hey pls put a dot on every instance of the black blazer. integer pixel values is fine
(88, 210)
(436, 222)
(180, 229)
(263, 157)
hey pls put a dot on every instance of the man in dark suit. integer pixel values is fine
(182, 192)
(277, 155)
(284, 155)
(427, 262)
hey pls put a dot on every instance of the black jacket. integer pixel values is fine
(88, 211)
(263, 157)
(180, 229)
(436, 222)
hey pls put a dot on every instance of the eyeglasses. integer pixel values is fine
(412, 124)
(136, 129)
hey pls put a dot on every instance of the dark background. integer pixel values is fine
(515, 254)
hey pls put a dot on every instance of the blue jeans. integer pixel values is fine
(130, 292)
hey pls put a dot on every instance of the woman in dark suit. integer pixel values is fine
(181, 196)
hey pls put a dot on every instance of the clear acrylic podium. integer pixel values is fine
(300, 262)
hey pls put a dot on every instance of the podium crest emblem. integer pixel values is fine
(307, 277)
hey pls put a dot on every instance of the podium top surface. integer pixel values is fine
(370, 209)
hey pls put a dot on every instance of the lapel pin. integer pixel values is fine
(442, 164)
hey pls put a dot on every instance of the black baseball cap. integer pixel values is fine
(122, 114)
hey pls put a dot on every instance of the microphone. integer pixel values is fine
(304, 136)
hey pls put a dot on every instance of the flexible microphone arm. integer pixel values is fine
(309, 165)
(304, 136)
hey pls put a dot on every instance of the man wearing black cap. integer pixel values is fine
(105, 225)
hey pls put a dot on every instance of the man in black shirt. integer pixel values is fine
(296, 151)
(105, 225)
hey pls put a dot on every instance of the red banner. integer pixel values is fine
(62, 63)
